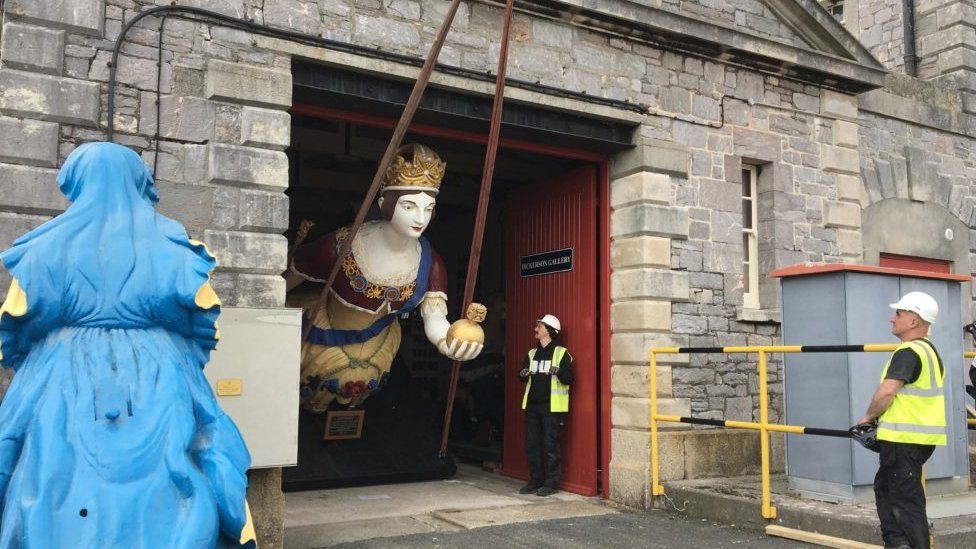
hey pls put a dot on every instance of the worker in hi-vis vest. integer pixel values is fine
(547, 373)
(909, 409)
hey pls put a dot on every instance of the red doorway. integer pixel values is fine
(560, 217)
(596, 353)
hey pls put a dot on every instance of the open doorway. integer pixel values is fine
(333, 157)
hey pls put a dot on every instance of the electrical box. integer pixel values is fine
(254, 373)
(837, 304)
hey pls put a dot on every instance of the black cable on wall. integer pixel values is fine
(209, 17)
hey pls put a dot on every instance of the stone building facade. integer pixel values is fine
(842, 145)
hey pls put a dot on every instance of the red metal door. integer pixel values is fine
(555, 215)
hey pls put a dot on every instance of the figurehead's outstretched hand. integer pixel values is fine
(460, 350)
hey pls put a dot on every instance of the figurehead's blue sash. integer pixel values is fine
(332, 337)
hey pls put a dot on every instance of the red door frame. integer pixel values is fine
(603, 242)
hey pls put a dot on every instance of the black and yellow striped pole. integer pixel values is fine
(763, 426)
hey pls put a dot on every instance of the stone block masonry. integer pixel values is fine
(248, 85)
(34, 48)
(30, 190)
(235, 165)
(81, 16)
(30, 142)
(51, 98)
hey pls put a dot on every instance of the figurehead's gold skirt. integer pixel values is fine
(345, 373)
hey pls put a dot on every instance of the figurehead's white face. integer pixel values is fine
(412, 214)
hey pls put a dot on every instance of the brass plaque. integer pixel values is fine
(344, 424)
(229, 387)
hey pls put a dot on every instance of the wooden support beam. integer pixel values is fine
(817, 539)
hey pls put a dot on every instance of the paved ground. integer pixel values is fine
(656, 529)
(476, 510)
(736, 501)
(472, 499)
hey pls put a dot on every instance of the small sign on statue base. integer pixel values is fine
(342, 425)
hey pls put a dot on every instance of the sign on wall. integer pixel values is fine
(557, 261)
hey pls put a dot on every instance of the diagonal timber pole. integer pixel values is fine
(474, 259)
(401, 129)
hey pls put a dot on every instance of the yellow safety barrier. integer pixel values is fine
(763, 426)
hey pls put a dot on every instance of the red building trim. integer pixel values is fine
(913, 263)
(603, 278)
(439, 131)
(804, 269)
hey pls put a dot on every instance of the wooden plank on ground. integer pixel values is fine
(530, 512)
(817, 539)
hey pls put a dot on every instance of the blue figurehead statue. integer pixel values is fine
(110, 435)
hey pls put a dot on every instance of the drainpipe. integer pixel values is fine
(908, 20)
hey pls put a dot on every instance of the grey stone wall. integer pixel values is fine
(754, 16)
(945, 36)
(880, 28)
(918, 150)
(804, 141)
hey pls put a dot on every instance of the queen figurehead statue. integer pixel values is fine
(388, 269)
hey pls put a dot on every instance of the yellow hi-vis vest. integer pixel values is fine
(558, 391)
(917, 414)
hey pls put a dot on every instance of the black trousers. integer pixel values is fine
(899, 495)
(543, 431)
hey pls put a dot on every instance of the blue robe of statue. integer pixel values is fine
(110, 435)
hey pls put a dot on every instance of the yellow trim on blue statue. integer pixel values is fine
(247, 533)
(16, 302)
(14, 305)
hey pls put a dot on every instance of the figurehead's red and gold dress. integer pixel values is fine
(356, 334)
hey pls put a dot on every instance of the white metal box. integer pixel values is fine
(254, 373)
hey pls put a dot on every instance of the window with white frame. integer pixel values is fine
(750, 238)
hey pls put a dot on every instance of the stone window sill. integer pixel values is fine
(769, 316)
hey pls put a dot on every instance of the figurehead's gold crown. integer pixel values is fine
(415, 167)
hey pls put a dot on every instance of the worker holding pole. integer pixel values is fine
(909, 410)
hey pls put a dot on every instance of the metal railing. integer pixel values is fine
(763, 426)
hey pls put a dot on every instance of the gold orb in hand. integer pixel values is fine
(467, 329)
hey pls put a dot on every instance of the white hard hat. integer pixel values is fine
(551, 321)
(919, 303)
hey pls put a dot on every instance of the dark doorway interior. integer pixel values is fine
(332, 162)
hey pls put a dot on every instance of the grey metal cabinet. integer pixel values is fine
(849, 305)
(254, 373)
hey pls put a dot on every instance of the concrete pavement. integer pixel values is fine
(472, 499)
(624, 530)
(477, 509)
(480, 510)
(736, 500)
